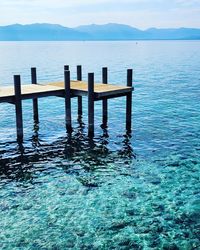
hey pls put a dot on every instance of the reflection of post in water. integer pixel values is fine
(79, 135)
(104, 141)
(127, 149)
(78, 142)
(35, 137)
(68, 148)
(89, 153)
(81, 124)
(20, 149)
(91, 142)
(19, 167)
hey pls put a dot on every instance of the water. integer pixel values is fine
(116, 191)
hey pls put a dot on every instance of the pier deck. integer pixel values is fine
(68, 89)
(78, 88)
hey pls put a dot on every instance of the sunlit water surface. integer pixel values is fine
(115, 191)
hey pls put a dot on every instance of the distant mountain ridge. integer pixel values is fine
(110, 31)
(39, 32)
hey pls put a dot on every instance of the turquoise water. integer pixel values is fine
(115, 191)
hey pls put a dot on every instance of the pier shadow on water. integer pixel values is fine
(76, 148)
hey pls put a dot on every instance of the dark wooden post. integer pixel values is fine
(68, 119)
(105, 101)
(129, 100)
(66, 67)
(79, 78)
(91, 104)
(35, 100)
(18, 108)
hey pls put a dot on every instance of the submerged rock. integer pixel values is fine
(170, 246)
(119, 225)
(124, 241)
(130, 193)
(130, 212)
(87, 182)
(193, 211)
(154, 180)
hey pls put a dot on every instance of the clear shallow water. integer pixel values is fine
(116, 191)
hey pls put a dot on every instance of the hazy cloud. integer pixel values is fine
(138, 13)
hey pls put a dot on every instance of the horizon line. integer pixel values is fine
(42, 23)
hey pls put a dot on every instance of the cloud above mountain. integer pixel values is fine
(139, 13)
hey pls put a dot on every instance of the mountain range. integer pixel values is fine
(110, 31)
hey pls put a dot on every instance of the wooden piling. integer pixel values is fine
(91, 104)
(67, 101)
(105, 101)
(66, 67)
(18, 108)
(80, 105)
(35, 100)
(129, 100)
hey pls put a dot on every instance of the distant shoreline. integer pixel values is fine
(125, 40)
(107, 32)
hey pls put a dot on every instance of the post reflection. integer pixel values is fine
(35, 137)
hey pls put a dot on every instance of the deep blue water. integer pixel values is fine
(116, 191)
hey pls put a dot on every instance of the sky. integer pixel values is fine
(141, 14)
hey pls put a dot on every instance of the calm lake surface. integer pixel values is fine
(116, 191)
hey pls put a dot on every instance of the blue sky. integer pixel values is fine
(138, 13)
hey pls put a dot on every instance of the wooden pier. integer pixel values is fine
(68, 89)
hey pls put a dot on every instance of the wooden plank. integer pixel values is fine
(30, 91)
